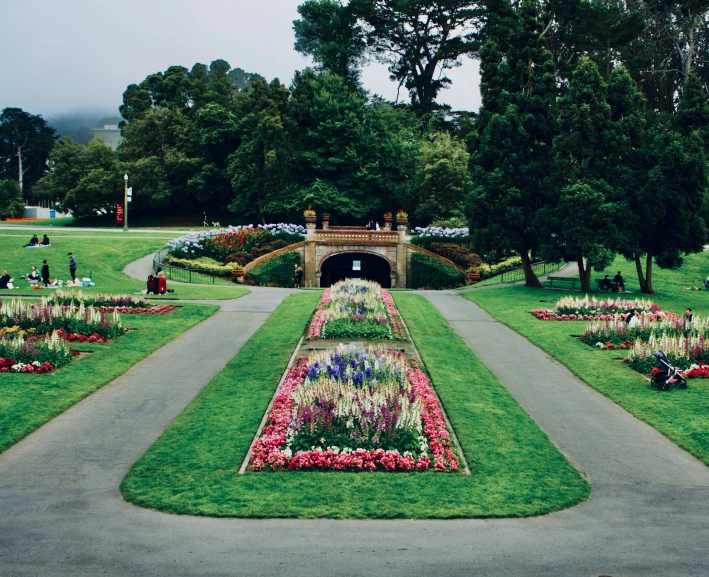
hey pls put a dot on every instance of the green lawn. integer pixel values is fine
(103, 256)
(680, 415)
(28, 401)
(193, 467)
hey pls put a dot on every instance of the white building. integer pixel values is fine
(110, 134)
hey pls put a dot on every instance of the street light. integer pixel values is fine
(125, 203)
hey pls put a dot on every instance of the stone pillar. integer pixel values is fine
(309, 259)
(401, 254)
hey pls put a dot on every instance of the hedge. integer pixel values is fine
(428, 272)
(202, 264)
(276, 271)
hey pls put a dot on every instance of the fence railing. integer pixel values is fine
(178, 274)
(539, 268)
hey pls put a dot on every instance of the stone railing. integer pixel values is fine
(355, 236)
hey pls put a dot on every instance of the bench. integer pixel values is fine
(563, 280)
(614, 288)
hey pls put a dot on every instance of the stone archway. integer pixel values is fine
(345, 264)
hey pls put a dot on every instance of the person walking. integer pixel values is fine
(45, 273)
(300, 277)
(296, 277)
(72, 267)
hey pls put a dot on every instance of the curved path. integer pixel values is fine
(61, 512)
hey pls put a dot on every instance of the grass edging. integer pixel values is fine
(27, 401)
(679, 415)
(193, 466)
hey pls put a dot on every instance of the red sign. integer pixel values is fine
(119, 213)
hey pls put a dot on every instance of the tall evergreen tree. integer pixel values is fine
(589, 212)
(513, 140)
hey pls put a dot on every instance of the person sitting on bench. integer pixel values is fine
(619, 282)
(605, 284)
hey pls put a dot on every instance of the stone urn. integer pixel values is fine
(388, 219)
(237, 275)
(325, 221)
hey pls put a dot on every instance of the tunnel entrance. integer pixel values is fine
(355, 265)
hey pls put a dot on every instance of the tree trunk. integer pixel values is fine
(641, 276)
(21, 173)
(530, 279)
(648, 275)
(584, 276)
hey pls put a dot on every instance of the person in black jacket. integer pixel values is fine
(45, 273)
(45, 240)
(619, 282)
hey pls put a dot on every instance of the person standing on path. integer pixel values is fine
(72, 267)
(45, 273)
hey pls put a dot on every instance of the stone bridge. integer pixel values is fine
(333, 253)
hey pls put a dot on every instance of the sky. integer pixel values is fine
(69, 55)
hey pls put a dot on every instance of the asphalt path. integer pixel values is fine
(61, 512)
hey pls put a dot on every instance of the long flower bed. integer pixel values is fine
(71, 298)
(44, 318)
(356, 309)
(352, 409)
(618, 331)
(576, 309)
(124, 304)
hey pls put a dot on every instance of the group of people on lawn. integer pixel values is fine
(34, 276)
(35, 242)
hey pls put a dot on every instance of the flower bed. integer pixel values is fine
(356, 309)
(220, 243)
(617, 331)
(10, 365)
(682, 351)
(71, 298)
(576, 309)
(355, 410)
(45, 318)
(152, 310)
(51, 350)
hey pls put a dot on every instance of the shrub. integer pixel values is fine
(276, 271)
(204, 264)
(428, 272)
(490, 270)
(244, 258)
(461, 255)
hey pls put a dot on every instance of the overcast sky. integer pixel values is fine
(65, 55)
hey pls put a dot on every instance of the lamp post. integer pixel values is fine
(125, 203)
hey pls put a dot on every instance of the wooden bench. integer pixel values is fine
(613, 288)
(563, 280)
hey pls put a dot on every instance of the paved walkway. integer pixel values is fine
(61, 512)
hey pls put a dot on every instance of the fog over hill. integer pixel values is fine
(78, 123)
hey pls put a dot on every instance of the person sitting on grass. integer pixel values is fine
(34, 241)
(6, 280)
(45, 240)
(34, 274)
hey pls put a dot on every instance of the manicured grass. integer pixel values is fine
(28, 401)
(103, 256)
(680, 415)
(193, 467)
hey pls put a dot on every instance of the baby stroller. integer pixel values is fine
(670, 376)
